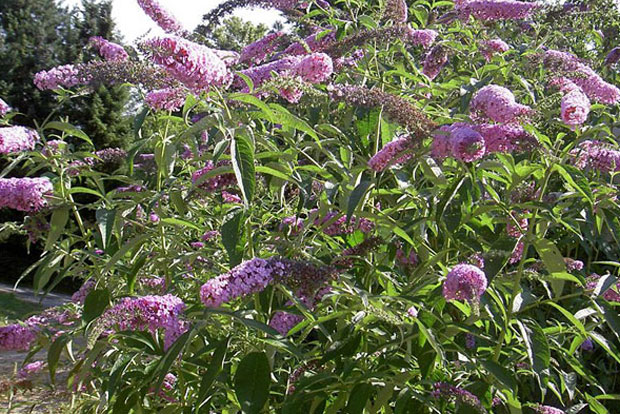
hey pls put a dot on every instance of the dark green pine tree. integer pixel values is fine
(36, 35)
(233, 33)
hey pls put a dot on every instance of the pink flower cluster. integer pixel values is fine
(161, 16)
(30, 369)
(498, 104)
(249, 277)
(339, 226)
(572, 264)
(293, 224)
(547, 409)
(210, 235)
(16, 139)
(396, 10)
(66, 76)
(424, 37)
(392, 153)
(283, 322)
(596, 155)
(167, 99)
(4, 108)
(464, 282)
(255, 53)
(459, 141)
(218, 182)
(85, 289)
(17, 337)
(494, 9)
(194, 65)
(148, 313)
(583, 76)
(109, 50)
(25, 194)
(575, 107)
(312, 68)
(489, 48)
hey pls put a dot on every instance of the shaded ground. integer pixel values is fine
(36, 396)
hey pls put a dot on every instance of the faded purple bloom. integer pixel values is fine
(153, 217)
(434, 61)
(464, 282)
(412, 312)
(25, 194)
(396, 11)
(197, 245)
(572, 264)
(449, 392)
(613, 56)
(406, 260)
(108, 50)
(459, 141)
(16, 139)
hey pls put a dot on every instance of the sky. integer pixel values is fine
(132, 22)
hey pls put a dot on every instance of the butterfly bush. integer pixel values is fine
(16, 139)
(426, 196)
(109, 50)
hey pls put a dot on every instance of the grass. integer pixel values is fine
(13, 308)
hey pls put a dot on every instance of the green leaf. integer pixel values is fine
(215, 367)
(286, 119)
(95, 303)
(59, 220)
(502, 374)
(537, 347)
(178, 222)
(253, 100)
(69, 130)
(360, 394)
(53, 355)
(105, 223)
(231, 234)
(242, 156)
(252, 381)
(139, 121)
(356, 196)
(554, 262)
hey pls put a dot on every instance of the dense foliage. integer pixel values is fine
(397, 208)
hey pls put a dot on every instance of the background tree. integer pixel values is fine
(38, 34)
(233, 34)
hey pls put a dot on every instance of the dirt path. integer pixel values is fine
(38, 397)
